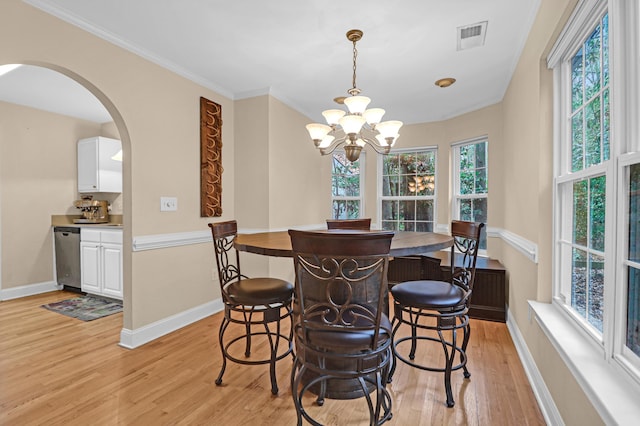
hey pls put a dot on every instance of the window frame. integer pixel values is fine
(362, 177)
(381, 197)
(456, 196)
(629, 361)
(623, 146)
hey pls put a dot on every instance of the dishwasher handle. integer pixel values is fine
(66, 230)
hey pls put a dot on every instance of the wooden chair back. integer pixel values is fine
(362, 224)
(466, 241)
(224, 235)
(341, 286)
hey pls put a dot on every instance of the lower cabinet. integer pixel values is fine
(101, 262)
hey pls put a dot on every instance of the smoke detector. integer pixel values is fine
(470, 36)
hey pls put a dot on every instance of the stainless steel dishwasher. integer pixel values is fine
(67, 243)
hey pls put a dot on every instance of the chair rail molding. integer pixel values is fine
(161, 241)
(524, 246)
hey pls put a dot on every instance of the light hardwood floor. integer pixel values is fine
(57, 370)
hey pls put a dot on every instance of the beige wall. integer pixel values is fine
(38, 178)
(251, 167)
(299, 178)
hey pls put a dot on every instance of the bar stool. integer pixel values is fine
(442, 307)
(342, 336)
(251, 303)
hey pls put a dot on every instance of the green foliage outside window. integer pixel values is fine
(406, 177)
(590, 123)
(472, 166)
(345, 184)
(590, 100)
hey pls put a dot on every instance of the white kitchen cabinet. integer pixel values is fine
(101, 262)
(99, 165)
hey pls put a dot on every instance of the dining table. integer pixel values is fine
(404, 243)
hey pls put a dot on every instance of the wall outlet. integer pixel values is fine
(168, 204)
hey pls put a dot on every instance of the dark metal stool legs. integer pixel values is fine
(441, 307)
(250, 303)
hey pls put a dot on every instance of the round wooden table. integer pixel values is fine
(278, 244)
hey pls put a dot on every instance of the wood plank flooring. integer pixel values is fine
(57, 370)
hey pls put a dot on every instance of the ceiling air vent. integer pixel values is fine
(470, 36)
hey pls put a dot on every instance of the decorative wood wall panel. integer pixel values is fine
(210, 158)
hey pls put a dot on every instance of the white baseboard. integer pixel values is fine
(132, 339)
(543, 396)
(28, 290)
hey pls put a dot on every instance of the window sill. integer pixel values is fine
(608, 388)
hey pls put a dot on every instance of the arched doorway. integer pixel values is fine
(38, 135)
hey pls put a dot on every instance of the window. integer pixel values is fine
(630, 247)
(582, 179)
(408, 190)
(347, 180)
(597, 184)
(470, 183)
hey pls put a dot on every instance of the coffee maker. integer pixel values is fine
(93, 211)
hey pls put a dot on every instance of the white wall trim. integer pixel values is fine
(160, 241)
(442, 228)
(132, 339)
(524, 246)
(611, 391)
(28, 290)
(540, 391)
(575, 30)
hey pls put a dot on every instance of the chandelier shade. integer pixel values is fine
(357, 127)
(357, 104)
(333, 116)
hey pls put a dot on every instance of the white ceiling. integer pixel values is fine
(297, 50)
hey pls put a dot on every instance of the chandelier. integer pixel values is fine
(357, 127)
(421, 183)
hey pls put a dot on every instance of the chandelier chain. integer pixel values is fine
(355, 55)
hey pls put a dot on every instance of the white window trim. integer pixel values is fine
(587, 13)
(380, 197)
(628, 361)
(603, 375)
(455, 172)
(360, 198)
(455, 181)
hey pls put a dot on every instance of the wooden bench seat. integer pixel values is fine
(490, 291)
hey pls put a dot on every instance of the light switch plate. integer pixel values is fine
(168, 204)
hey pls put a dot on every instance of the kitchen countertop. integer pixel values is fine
(115, 222)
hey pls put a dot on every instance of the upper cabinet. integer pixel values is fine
(99, 165)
